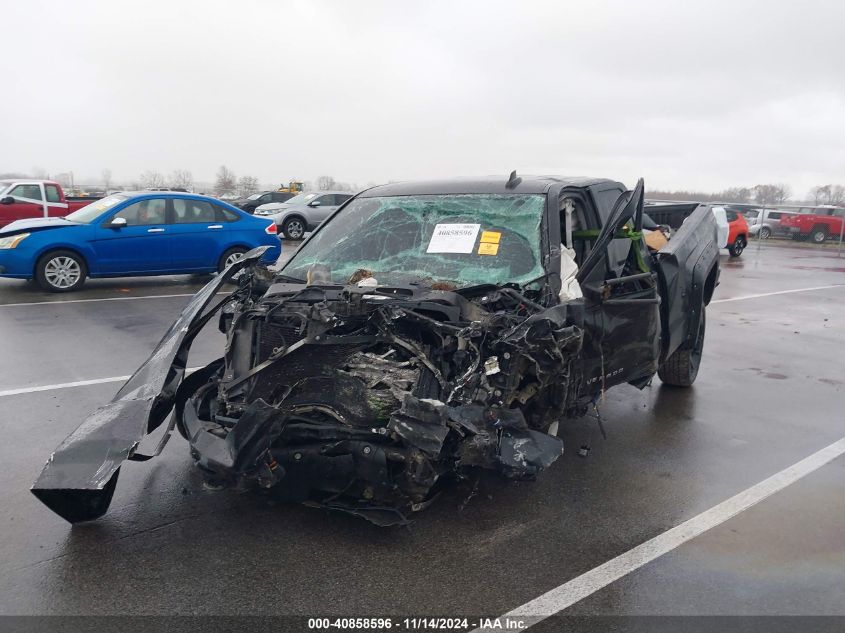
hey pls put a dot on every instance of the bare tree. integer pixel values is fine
(324, 183)
(106, 178)
(226, 182)
(767, 194)
(686, 196)
(151, 178)
(247, 185)
(40, 173)
(182, 179)
(736, 194)
(781, 193)
(828, 194)
(820, 193)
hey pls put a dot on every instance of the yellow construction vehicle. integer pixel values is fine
(294, 186)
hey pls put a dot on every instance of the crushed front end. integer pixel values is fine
(412, 340)
(369, 399)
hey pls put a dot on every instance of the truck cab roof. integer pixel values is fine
(488, 184)
(27, 181)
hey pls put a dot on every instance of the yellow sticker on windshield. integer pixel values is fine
(491, 237)
(485, 248)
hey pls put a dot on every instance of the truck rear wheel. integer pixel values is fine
(818, 235)
(681, 368)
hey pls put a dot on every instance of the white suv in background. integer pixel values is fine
(304, 212)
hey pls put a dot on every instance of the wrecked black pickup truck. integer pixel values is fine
(423, 332)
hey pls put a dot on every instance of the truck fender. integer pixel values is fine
(704, 279)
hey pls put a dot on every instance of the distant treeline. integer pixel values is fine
(759, 194)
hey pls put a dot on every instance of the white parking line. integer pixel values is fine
(97, 381)
(68, 385)
(62, 385)
(578, 588)
(53, 303)
(779, 292)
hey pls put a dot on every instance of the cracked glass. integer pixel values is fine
(497, 239)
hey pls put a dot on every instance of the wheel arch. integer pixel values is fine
(230, 246)
(295, 216)
(705, 276)
(710, 284)
(61, 247)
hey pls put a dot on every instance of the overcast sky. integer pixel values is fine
(690, 95)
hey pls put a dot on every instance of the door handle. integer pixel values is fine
(216, 226)
(155, 230)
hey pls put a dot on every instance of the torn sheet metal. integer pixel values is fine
(78, 481)
(371, 400)
(349, 398)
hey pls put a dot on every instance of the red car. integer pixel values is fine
(737, 233)
(22, 199)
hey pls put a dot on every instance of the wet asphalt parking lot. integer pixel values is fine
(770, 393)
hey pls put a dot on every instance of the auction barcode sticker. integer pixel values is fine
(453, 238)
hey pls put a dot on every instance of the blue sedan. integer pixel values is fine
(130, 234)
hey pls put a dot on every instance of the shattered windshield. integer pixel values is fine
(457, 240)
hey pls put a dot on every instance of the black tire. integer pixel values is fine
(681, 368)
(294, 228)
(818, 235)
(737, 247)
(765, 233)
(61, 271)
(233, 254)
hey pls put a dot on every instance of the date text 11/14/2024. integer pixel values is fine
(418, 624)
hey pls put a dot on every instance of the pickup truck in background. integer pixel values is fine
(22, 199)
(818, 227)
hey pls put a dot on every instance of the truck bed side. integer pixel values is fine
(688, 270)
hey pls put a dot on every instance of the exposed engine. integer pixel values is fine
(369, 399)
